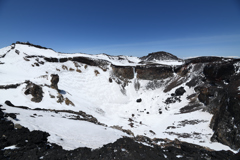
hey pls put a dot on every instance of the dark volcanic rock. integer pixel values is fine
(191, 107)
(35, 91)
(12, 115)
(12, 105)
(50, 59)
(204, 59)
(203, 94)
(180, 91)
(10, 86)
(223, 101)
(219, 71)
(152, 72)
(9, 103)
(123, 71)
(236, 156)
(85, 60)
(33, 45)
(92, 62)
(54, 81)
(146, 72)
(172, 99)
(226, 120)
(139, 100)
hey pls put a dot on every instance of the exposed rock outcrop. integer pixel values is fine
(152, 72)
(85, 60)
(219, 71)
(10, 86)
(221, 96)
(30, 44)
(146, 72)
(123, 71)
(205, 59)
(54, 81)
(60, 98)
(35, 91)
(68, 102)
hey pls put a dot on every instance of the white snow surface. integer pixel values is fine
(96, 96)
(70, 134)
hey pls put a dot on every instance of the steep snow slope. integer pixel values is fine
(90, 90)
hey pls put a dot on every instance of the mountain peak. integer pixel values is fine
(161, 55)
(31, 44)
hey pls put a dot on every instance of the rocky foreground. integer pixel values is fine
(33, 145)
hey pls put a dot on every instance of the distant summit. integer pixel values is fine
(161, 55)
(31, 44)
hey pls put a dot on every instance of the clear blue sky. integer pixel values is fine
(185, 28)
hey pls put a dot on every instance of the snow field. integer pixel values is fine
(95, 95)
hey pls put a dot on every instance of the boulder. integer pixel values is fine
(54, 81)
(180, 91)
(139, 100)
(35, 91)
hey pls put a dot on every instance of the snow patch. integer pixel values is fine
(179, 156)
(10, 147)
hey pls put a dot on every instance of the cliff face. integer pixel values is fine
(148, 72)
(216, 81)
(123, 71)
(225, 103)
(154, 72)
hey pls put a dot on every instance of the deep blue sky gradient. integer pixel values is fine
(185, 28)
